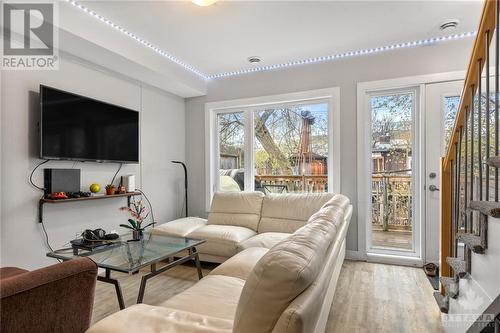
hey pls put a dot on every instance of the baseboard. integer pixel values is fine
(355, 255)
(394, 260)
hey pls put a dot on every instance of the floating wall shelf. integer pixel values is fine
(95, 197)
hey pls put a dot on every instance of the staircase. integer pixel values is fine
(470, 175)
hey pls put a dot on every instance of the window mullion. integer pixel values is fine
(249, 158)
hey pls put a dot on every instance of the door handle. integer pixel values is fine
(433, 188)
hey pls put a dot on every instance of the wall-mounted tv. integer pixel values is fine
(74, 127)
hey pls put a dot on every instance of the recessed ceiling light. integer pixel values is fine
(254, 60)
(349, 54)
(203, 3)
(449, 24)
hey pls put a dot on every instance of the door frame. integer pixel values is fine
(436, 93)
(364, 163)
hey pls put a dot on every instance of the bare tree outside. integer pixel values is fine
(290, 148)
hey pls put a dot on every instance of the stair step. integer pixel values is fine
(450, 286)
(493, 161)
(489, 208)
(459, 266)
(473, 242)
(442, 301)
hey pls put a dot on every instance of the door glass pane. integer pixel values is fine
(231, 132)
(291, 148)
(392, 155)
(451, 104)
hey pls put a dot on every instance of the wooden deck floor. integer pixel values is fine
(369, 297)
(394, 239)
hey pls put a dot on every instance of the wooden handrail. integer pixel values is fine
(471, 80)
(475, 68)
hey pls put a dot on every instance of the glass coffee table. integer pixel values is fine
(128, 256)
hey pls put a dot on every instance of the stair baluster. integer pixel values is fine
(488, 115)
(469, 156)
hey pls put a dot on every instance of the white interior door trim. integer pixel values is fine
(363, 144)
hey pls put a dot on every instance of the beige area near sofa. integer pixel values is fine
(286, 287)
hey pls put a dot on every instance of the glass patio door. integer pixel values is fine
(394, 173)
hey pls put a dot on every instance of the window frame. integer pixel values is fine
(331, 96)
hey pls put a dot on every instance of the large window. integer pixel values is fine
(273, 147)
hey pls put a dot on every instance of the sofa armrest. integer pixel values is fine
(57, 298)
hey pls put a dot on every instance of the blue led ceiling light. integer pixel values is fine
(293, 63)
(349, 54)
(138, 39)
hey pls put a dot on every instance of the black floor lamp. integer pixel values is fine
(185, 184)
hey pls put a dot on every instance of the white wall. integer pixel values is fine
(162, 136)
(345, 74)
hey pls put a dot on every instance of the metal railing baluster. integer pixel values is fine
(452, 209)
(488, 115)
(497, 83)
(460, 159)
(471, 188)
(456, 202)
(466, 165)
(479, 130)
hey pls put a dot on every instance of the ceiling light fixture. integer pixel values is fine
(138, 39)
(349, 54)
(203, 3)
(254, 59)
(449, 24)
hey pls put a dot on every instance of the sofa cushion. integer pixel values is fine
(288, 212)
(338, 200)
(236, 208)
(339, 204)
(221, 240)
(241, 264)
(214, 296)
(180, 227)
(311, 308)
(282, 274)
(266, 240)
(153, 319)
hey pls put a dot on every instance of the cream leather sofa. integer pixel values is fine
(287, 288)
(239, 220)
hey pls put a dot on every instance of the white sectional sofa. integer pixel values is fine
(286, 288)
(239, 220)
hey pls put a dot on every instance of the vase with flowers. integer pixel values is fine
(138, 212)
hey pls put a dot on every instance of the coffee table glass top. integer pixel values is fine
(130, 256)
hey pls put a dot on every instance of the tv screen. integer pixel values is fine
(74, 127)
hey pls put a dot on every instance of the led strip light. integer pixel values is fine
(314, 60)
(138, 39)
(346, 54)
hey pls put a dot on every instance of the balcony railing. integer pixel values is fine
(392, 201)
(304, 183)
(391, 195)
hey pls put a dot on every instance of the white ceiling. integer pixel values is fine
(221, 37)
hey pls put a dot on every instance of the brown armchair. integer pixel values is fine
(57, 298)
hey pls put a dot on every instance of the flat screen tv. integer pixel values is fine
(74, 127)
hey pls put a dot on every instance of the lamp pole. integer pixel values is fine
(185, 184)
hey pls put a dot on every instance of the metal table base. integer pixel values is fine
(192, 255)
